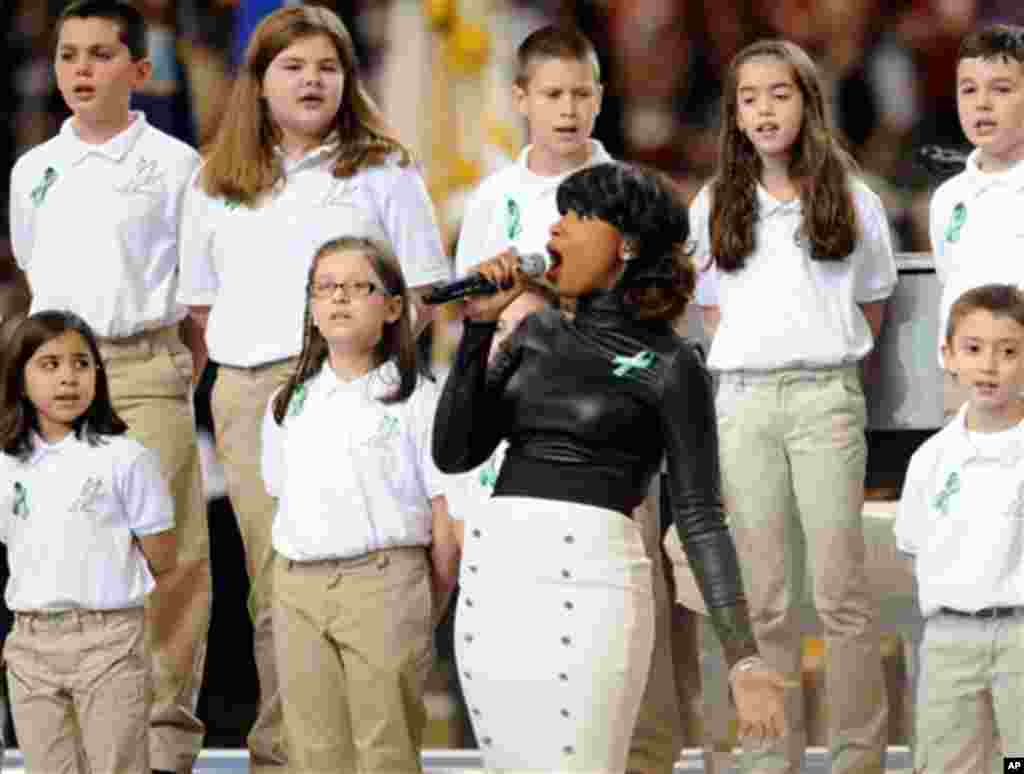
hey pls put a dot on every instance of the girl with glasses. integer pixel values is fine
(365, 550)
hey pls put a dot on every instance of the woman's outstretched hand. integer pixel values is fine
(759, 695)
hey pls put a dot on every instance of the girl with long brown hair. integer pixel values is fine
(797, 264)
(365, 551)
(302, 156)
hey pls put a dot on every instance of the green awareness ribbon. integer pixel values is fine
(640, 361)
(489, 474)
(951, 487)
(20, 500)
(39, 192)
(956, 222)
(297, 401)
(513, 218)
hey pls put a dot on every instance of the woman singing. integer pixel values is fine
(590, 408)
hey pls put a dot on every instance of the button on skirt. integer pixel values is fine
(554, 634)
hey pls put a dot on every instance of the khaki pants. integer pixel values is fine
(673, 683)
(238, 403)
(150, 379)
(793, 457)
(80, 681)
(354, 643)
(971, 694)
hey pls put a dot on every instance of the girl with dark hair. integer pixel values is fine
(302, 156)
(89, 526)
(590, 408)
(796, 264)
(365, 550)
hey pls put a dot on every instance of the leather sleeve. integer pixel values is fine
(693, 496)
(466, 430)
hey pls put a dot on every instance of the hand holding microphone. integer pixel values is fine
(493, 284)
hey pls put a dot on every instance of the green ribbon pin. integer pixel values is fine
(298, 399)
(513, 218)
(956, 222)
(489, 474)
(640, 361)
(951, 487)
(39, 192)
(20, 500)
(388, 427)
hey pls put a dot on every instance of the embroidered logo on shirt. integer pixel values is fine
(20, 507)
(39, 192)
(339, 194)
(148, 179)
(956, 222)
(513, 218)
(86, 500)
(950, 488)
(387, 429)
(642, 361)
(489, 474)
(297, 401)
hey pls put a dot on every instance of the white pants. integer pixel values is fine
(554, 634)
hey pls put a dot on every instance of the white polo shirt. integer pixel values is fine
(962, 516)
(351, 474)
(514, 207)
(783, 309)
(95, 227)
(70, 515)
(250, 265)
(976, 225)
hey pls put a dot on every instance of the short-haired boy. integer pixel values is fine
(961, 517)
(558, 91)
(975, 224)
(94, 226)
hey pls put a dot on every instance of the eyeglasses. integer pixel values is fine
(349, 290)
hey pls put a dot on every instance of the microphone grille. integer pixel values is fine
(534, 264)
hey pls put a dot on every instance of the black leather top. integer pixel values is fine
(590, 407)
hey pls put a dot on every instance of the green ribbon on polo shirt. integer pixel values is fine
(297, 401)
(39, 192)
(956, 222)
(513, 218)
(950, 488)
(640, 361)
(20, 500)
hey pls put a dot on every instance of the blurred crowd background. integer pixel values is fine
(442, 72)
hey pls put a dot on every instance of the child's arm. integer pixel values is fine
(150, 512)
(161, 551)
(194, 335)
(444, 555)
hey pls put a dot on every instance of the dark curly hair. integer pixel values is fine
(650, 213)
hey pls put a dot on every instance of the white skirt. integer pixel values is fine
(553, 634)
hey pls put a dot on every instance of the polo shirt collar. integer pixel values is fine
(115, 149)
(965, 451)
(327, 382)
(41, 448)
(768, 205)
(598, 155)
(311, 157)
(980, 181)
